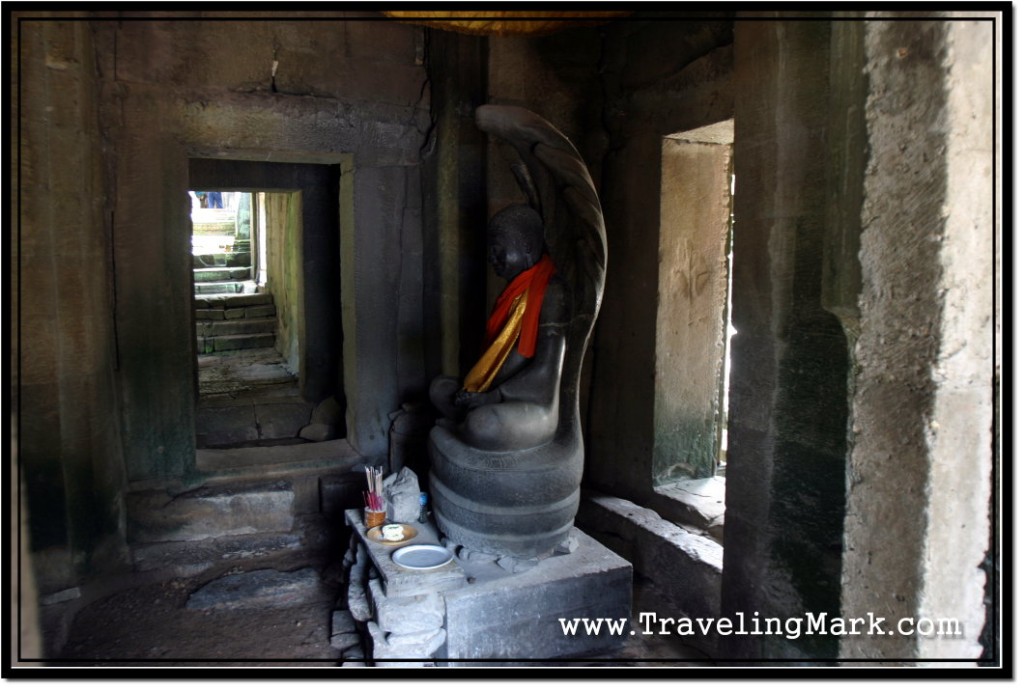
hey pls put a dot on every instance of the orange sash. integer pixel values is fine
(516, 315)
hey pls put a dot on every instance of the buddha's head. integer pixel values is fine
(515, 240)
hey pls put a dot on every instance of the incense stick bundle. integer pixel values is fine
(374, 496)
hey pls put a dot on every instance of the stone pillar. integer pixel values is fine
(65, 356)
(380, 199)
(153, 285)
(922, 410)
(454, 206)
(788, 393)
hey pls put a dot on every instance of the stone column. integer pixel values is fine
(65, 343)
(454, 216)
(918, 521)
(788, 394)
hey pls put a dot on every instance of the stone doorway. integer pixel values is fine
(266, 373)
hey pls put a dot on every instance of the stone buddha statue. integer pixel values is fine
(509, 399)
(507, 454)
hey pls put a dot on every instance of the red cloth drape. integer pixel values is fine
(534, 282)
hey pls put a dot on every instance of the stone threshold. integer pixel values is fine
(696, 503)
(336, 453)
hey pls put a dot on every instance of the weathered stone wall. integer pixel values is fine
(338, 92)
(785, 471)
(845, 203)
(65, 358)
(284, 274)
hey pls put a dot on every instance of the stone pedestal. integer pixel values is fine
(474, 612)
(503, 616)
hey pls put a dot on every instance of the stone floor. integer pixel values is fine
(248, 398)
(234, 372)
(148, 621)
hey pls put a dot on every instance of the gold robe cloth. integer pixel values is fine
(516, 317)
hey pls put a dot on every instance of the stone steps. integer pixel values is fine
(288, 501)
(222, 313)
(220, 525)
(225, 273)
(222, 302)
(244, 377)
(211, 512)
(219, 344)
(234, 327)
(187, 558)
(220, 287)
(235, 322)
(241, 258)
(276, 459)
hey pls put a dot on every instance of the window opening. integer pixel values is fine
(730, 331)
(694, 306)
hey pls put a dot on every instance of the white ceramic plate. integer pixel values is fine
(422, 557)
